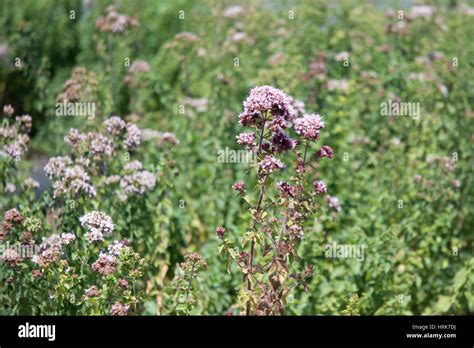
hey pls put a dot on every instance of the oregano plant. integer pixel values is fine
(279, 209)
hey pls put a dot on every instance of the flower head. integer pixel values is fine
(31, 183)
(93, 291)
(282, 142)
(139, 66)
(14, 216)
(285, 188)
(114, 22)
(67, 238)
(123, 283)
(220, 231)
(119, 309)
(115, 125)
(263, 102)
(233, 11)
(194, 259)
(9, 187)
(11, 257)
(74, 180)
(51, 249)
(297, 105)
(133, 136)
(57, 165)
(133, 166)
(169, 138)
(99, 226)
(246, 139)
(138, 182)
(105, 264)
(100, 145)
(325, 151)
(309, 126)
(115, 248)
(239, 186)
(320, 187)
(269, 164)
(75, 138)
(8, 110)
(333, 203)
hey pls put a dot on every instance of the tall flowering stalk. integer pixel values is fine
(185, 297)
(14, 140)
(279, 211)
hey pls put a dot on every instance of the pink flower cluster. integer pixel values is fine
(108, 260)
(119, 309)
(114, 22)
(269, 164)
(161, 138)
(246, 139)
(309, 126)
(105, 264)
(14, 136)
(132, 136)
(333, 202)
(267, 103)
(71, 177)
(320, 187)
(139, 66)
(297, 105)
(285, 188)
(81, 87)
(11, 257)
(99, 226)
(282, 142)
(75, 138)
(239, 186)
(325, 151)
(138, 182)
(115, 125)
(51, 249)
(74, 180)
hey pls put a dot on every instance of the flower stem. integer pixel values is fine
(252, 243)
(259, 204)
(305, 151)
(188, 290)
(261, 136)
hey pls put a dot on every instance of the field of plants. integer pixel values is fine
(236, 157)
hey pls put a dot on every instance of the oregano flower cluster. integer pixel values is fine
(278, 209)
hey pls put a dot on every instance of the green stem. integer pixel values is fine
(305, 151)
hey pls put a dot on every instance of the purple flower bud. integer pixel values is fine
(239, 186)
(282, 142)
(123, 283)
(320, 187)
(220, 231)
(285, 188)
(325, 151)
